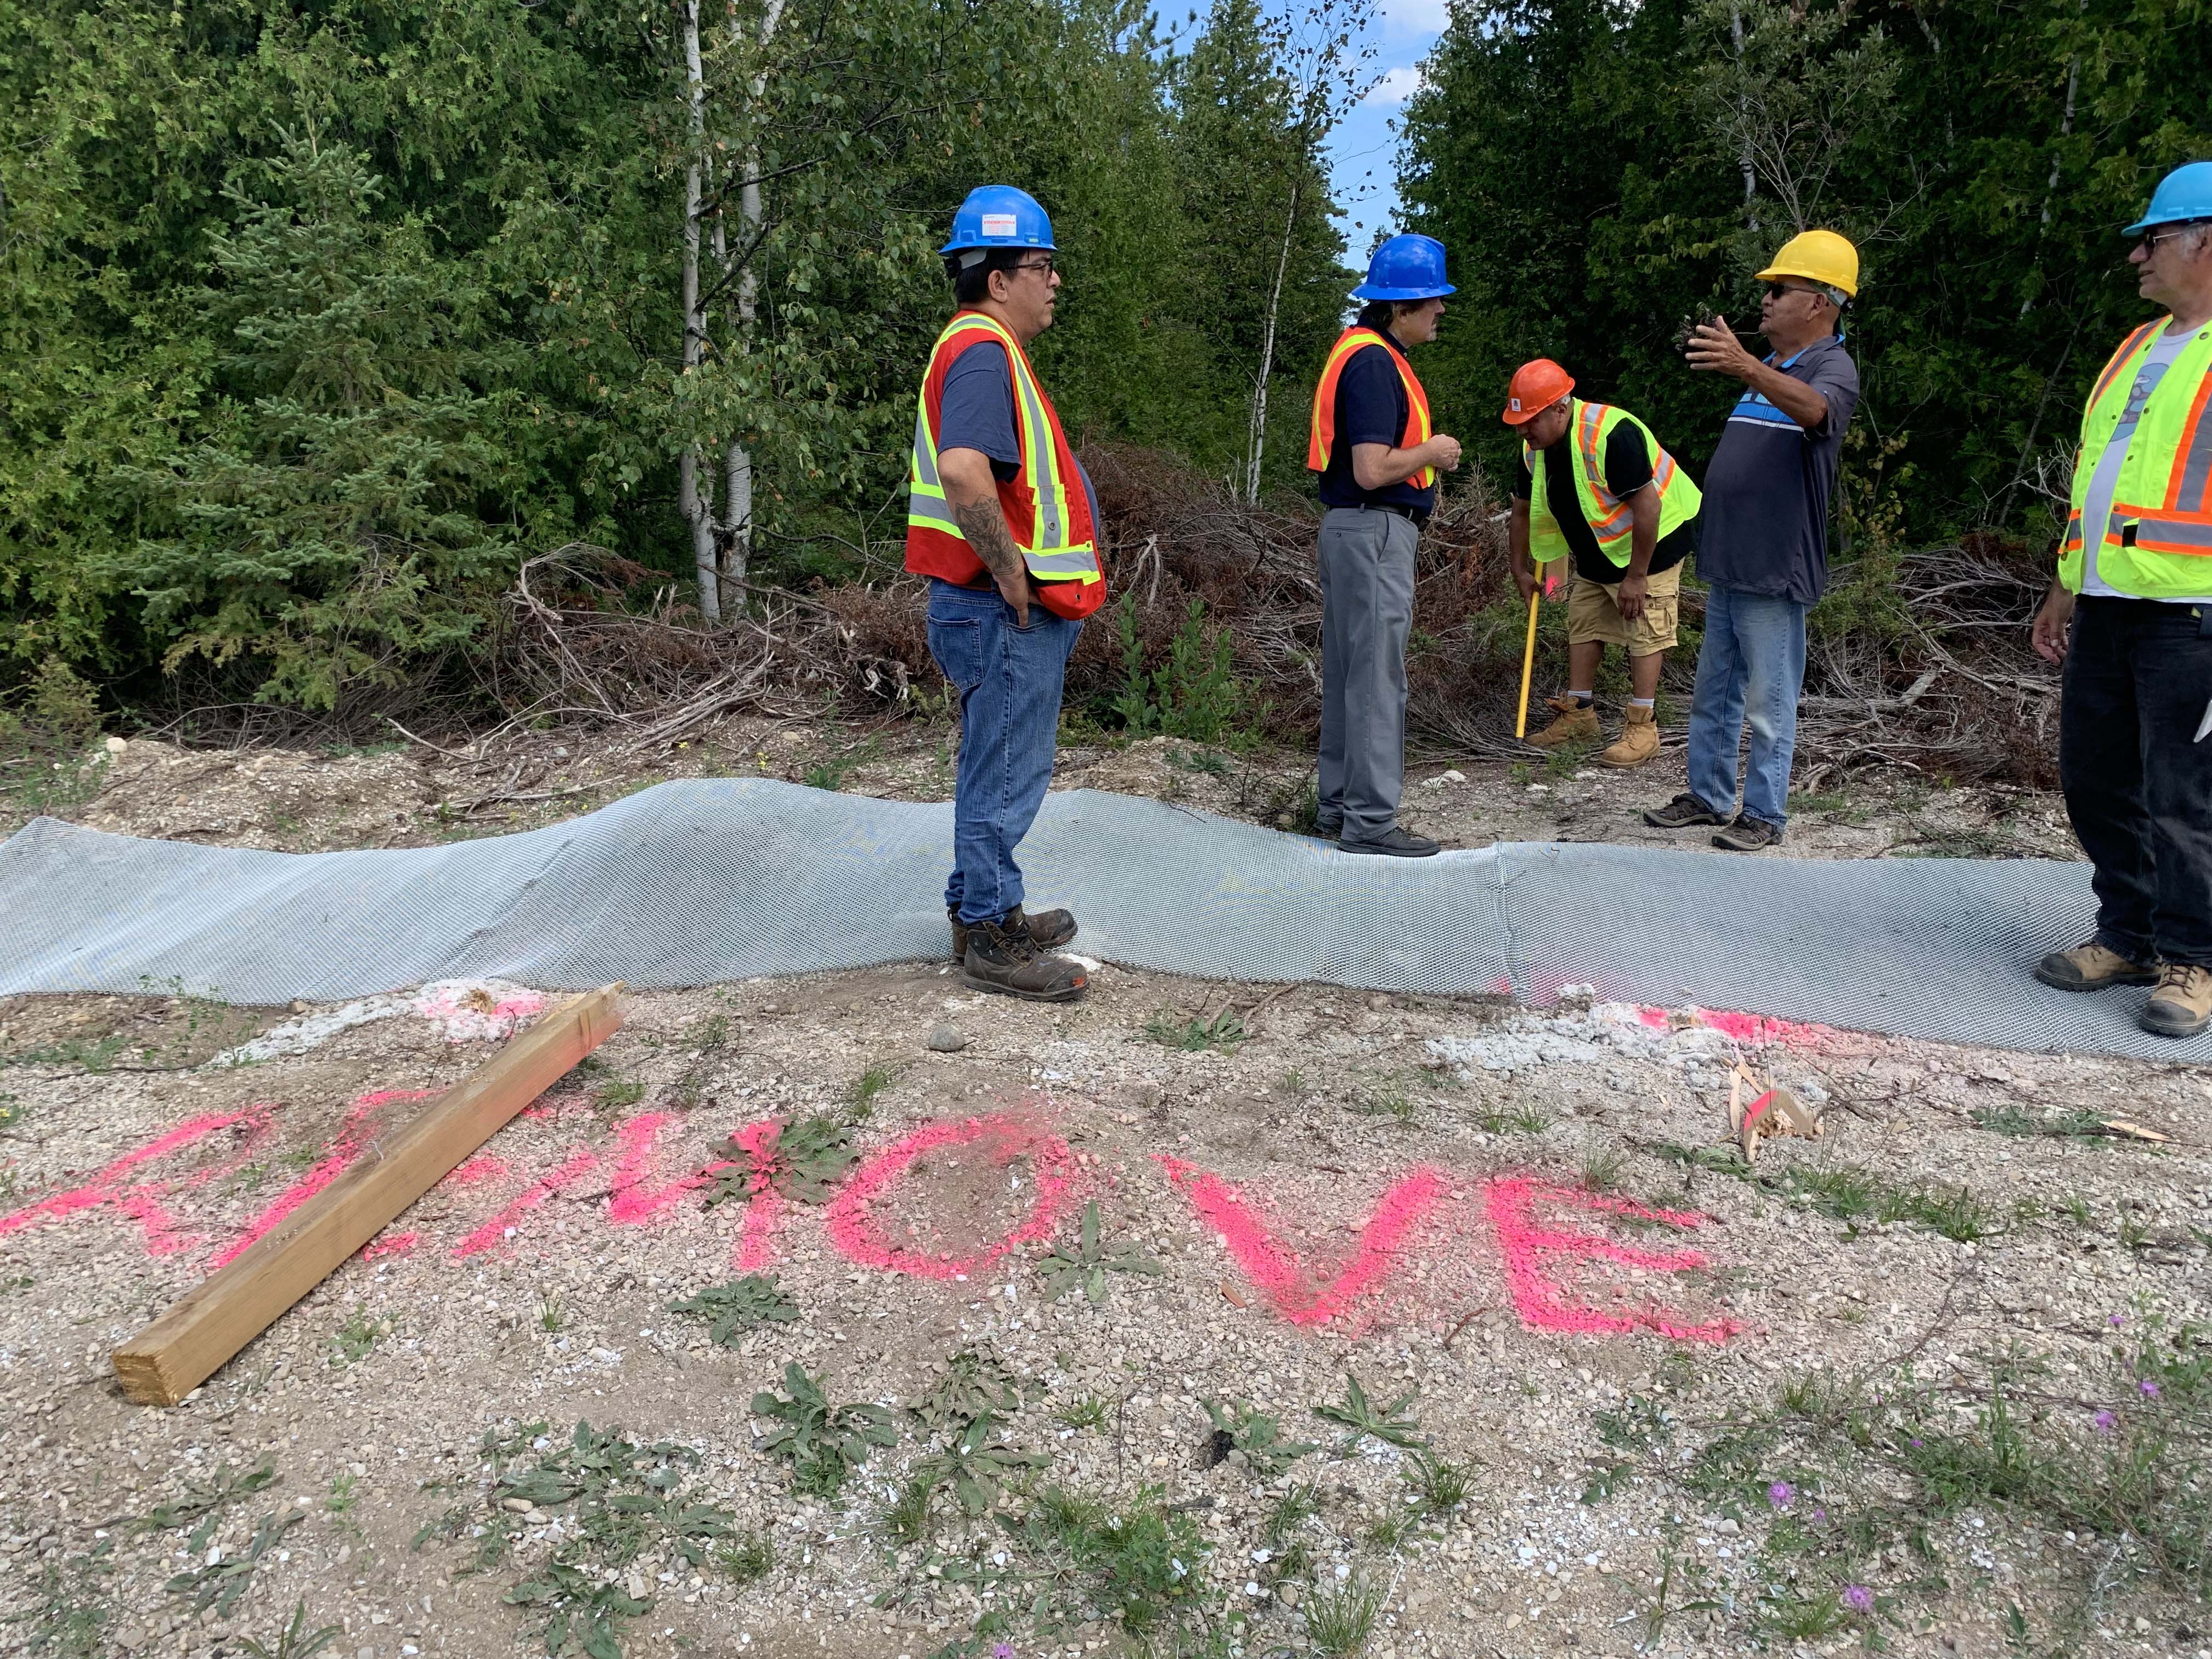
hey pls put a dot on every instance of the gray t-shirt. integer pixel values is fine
(1764, 526)
(2097, 508)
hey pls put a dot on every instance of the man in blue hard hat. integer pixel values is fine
(1378, 455)
(1003, 521)
(2130, 616)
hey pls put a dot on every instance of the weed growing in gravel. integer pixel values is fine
(94, 1054)
(744, 1558)
(1852, 1195)
(357, 1337)
(711, 1034)
(1390, 1099)
(823, 1442)
(861, 1098)
(809, 1157)
(2077, 1126)
(1389, 1423)
(617, 1095)
(1515, 1120)
(740, 1305)
(12, 1114)
(205, 1502)
(70, 1613)
(1685, 1585)
(295, 1640)
(1340, 1618)
(1241, 1426)
(1224, 1032)
(1140, 1562)
(1439, 1485)
(971, 1384)
(1293, 1083)
(1087, 1265)
(976, 1465)
(342, 1496)
(220, 1583)
(551, 1315)
(831, 774)
(1088, 1413)
(1601, 1169)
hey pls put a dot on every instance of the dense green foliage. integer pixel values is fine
(1586, 162)
(317, 318)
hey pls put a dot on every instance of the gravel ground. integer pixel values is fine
(1368, 1154)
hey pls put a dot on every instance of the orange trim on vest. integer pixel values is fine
(1321, 437)
(933, 552)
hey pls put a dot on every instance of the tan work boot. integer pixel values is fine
(2092, 967)
(1640, 739)
(1576, 720)
(2182, 1004)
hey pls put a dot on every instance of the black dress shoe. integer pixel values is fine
(1394, 842)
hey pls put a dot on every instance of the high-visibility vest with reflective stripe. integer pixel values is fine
(2156, 543)
(1048, 510)
(1606, 514)
(1321, 440)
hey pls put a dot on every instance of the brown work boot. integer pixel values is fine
(1050, 928)
(2092, 967)
(1576, 720)
(1640, 739)
(1004, 957)
(2182, 1004)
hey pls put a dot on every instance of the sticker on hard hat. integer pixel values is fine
(998, 224)
(1513, 403)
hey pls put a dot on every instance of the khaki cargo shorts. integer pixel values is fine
(1594, 615)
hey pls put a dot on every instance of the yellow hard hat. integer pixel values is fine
(1820, 256)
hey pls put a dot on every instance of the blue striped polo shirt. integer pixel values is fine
(1764, 527)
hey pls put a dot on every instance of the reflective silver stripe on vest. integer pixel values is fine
(2167, 531)
(1061, 566)
(2197, 471)
(1049, 530)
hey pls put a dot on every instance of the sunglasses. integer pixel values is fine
(1783, 290)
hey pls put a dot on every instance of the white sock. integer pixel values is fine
(1582, 697)
(1644, 703)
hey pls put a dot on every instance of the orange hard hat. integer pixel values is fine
(1536, 386)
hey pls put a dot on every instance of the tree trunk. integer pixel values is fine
(737, 461)
(694, 494)
(1743, 118)
(1256, 442)
(2050, 185)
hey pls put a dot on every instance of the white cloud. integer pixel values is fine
(1396, 85)
(1413, 16)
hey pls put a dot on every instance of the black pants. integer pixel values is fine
(2138, 784)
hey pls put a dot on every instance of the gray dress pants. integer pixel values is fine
(1367, 614)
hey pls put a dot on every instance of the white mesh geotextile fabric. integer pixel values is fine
(692, 882)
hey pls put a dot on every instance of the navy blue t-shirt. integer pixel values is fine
(1371, 408)
(1770, 481)
(1627, 470)
(978, 413)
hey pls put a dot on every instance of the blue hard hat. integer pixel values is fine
(1407, 267)
(2184, 193)
(999, 216)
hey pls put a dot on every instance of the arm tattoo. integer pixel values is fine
(984, 525)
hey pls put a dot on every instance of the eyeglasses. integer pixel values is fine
(1044, 264)
(2152, 239)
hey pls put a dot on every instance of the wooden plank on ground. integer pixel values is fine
(182, 1349)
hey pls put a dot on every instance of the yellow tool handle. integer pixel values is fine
(1528, 660)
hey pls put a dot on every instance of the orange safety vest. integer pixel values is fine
(1322, 437)
(1048, 509)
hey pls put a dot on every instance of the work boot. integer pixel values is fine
(1397, 843)
(1748, 835)
(2092, 967)
(1049, 928)
(1682, 812)
(1576, 720)
(1002, 957)
(2182, 1004)
(1640, 739)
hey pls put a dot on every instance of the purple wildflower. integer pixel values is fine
(1002, 1651)
(2149, 1388)
(2119, 1319)
(1820, 1515)
(1781, 1494)
(1858, 1598)
(2104, 1422)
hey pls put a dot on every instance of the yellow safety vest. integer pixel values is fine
(2154, 545)
(1606, 514)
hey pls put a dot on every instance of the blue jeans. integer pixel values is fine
(1009, 680)
(1752, 665)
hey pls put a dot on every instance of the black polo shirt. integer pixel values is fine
(1371, 408)
(1627, 470)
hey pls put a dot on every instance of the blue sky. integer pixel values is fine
(1363, 152)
